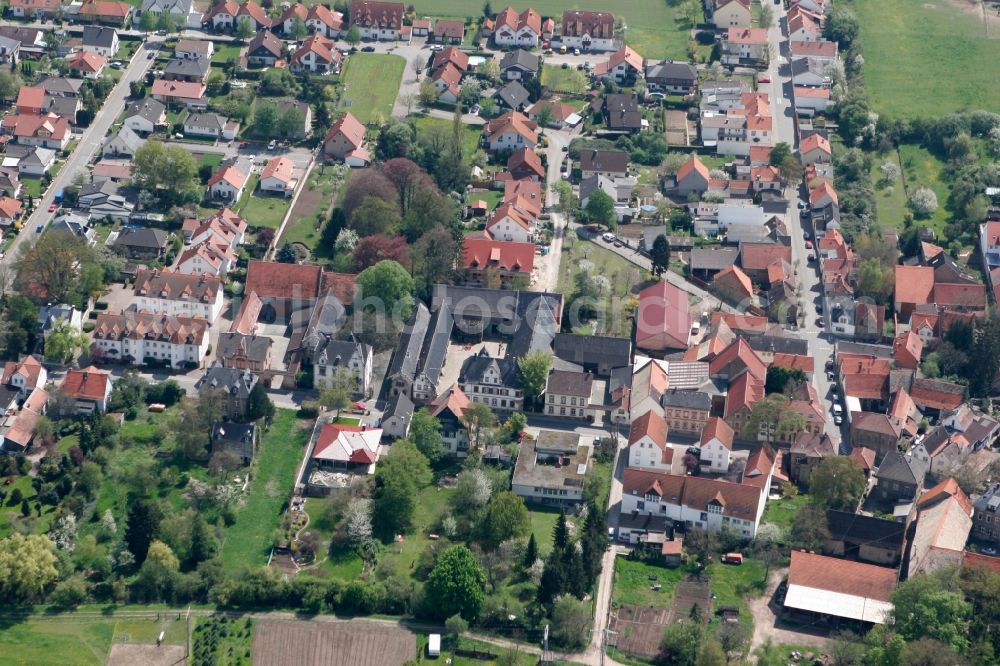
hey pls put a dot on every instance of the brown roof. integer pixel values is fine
(167, 284)
(744, 392)
(88, 383)
(841, 576)
(343, 285)
(376, 14)
(566, 382)
(350, 127)
(651, 424)
(525, 158)
(736, 500)
(277, 280)
(143, 325)
(717, 428)
(758, 256)
(947, 488)
(743, 352)
(793, 362)
(814, 445)
(599, 25)
(937, 394)
(267, 41)
(693, 165)
(734, 278)
(453, 399)
(863, 457)
(451, 29)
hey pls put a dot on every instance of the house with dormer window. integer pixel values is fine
(172, 293)
(495, 382)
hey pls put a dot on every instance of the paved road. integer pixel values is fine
(89, 144)
(810, 286)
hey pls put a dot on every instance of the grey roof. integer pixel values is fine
(326, 319)
(538, 323)
(102, 187)
(186, 67)
(671, 70)
(812, 65)
(434, 350)
(62, 106)
(513, 95)
(622, 111)
(254, 347)
(332, 352)
(713, 259)
(127, 139)
(407, 354)
(95, 35)
(520, 58)
(211, 121)
(854, 527)
(177, 7)
(989, 500)
(237, 438)
(776, 344)
(621, 376)
(687, 400)
(591, 184)
(563, 382)
(62, 85)
(8, 44)
(604, 160)
(236, 383)
(148, 108)
(903, 469)
(593, 349)
(475, 366)
(30, 154)
(143, 237)
(846, 347)
(25, 36)
(399, 406)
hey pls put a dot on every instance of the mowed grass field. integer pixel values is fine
(927, 58)
(370, 83)
(656, 28)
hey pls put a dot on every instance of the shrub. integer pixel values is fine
(924, 202)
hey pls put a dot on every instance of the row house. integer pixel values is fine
(568, 393)
(142, 337)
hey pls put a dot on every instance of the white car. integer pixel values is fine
(837, 420)
(609, 238)
(437, 47)
(576, 51)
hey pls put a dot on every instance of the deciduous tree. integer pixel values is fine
(456, 585)
(837, 483)
(390, 284)
(659, 255)
(372, 249)
(27, 566)
(534, 367)
(506, 517)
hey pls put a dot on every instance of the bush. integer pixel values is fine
(89, 327)
(307, 412)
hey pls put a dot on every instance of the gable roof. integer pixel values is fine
(692, 165)
(914, 284)
(229, 174)
(506, 256)
(936, 393)
(815, 141)
(739, 350)
(520, 58)
(95, 35)
(512, 121)
(662, 319)
(758, 256)
(178, 89)
(271, 279)
(280, 168)
(87, 61)
(716, 428)
(350, 128)
(452, 399)
(89, 383)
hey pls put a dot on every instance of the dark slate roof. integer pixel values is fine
(562, 382)
(597, 349)
(474, 367)
(255, 347)
(671, 70)
(434, 350)
(326, 319)
(620, 377)
(853, 527)
(237, 383)
(896, 467)
(145, 238)
(519, 58)
(538, 323)
(989, 500)
(604, 160)
(61, 85)
(399, 406)
(236, 437)
(513, 95)
(687, 399)
(622, 111)
(846, 347)
(186, 67)
(407, 355)
(776, 344)
(713, 259)
(95, 35)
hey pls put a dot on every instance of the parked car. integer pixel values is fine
(608, 238)
(763, 78)
(475, 109)
(805, 234)
(732, 558)
(53, 207)
(838, 419)
(272, 144)
(809, 245)
(576, 51)
(368, 49)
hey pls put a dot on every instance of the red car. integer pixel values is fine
(53, 207)
(763, 78)
(809, 245)
(244, 144)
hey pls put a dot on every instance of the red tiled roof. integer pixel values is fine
(88, 383)
(842, 576)
(693, 165)
(814, 142)
(794, 362)
(506, 256)
(734, 278)
(31, 97)
(744, 392)
(104, 8)
(652, 425)
(947, 488)
(747, 35)
(936, 394)
(9, 208)
(863, 457)
(453, 399)
(823, 189)
(179, 89)
(229, 174)
(960, 295)
(343, 285)
(662, 319)
(820, 48)
(510, 18)
(627, 55)
(277, 280)
(757, 256)
(718, 429)
(280, 168)
(525, 158)
(736, 500)
(512, 121)
(350, 127)
(740, 351)
(914, 284)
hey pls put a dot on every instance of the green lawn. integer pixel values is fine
(370, 83)
(568, 80)
(491, 197)
(265, 210)
(312, 209)
(655, 28)
(249, 540)
(211, 159)
(781, 512)
(470, 137)
(890, 199)
(733, 585)
(225, 52)
(920, 167)
(927, 58)
(32, 186)
(634, 582)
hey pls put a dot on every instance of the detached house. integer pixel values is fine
(495, 382)
(211, 125)
(45, 131)
(144, 116)
(277, 177)
(35, 8)
(647, 443)
(519, 65)
(624, 66)
(511, 223)
(588, 31)
(90, 388)
(318, 54)
(87, 64)
(106, 12)
(194, 49)
(123, 144)
(264, 50)
(513, 29)
(510, 131)
(345, 139)
(378, 21)
(181, 93)
(323, 21)
(675, 78)
(227, 184)
(100, 40)
(730, 13)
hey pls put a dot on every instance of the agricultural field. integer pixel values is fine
(370, 82)
(930, 58)
(331, 644)
(654, 28)
(249, 539)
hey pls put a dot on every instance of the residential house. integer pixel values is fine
(808, 450)
(596, 354)
(232, 384)
(448, 32)
(264, 50)
(181, 11)
(141, 243)
(124, 143)
(493, 262)
(100, 40)
(24, 376)
(588, 31)
(695, 502)
(816, 99)
(686, 411)
(107, 200)
(495, 382)
(176, 294)
(207, 257)
(180, 93)
(30, 160)
(730, 13)
(141, 338)
(10, 211)
(692, 176)
(567, 393)
(449, 409)
(237, 439)
(89, 388)
(649, 384)
(227, 183)
(810, 73)
(244, 352)
(510, 131)
(144, 116)
(377, 20)
(194, 71)
(35, 9)
(513, 29)
(716, 444)
(907, 349)
(743, 124)
(519, 65)
(746, 47)
(803, 28)
(671, 77)
(211, 125)
(345, 138)
(46, 131)
(552, 469)
(330, 357)
(74, 224)
(986, 515)
(621, 113)
(286, 21)
(193, 49)
(609, 163)
(447, 80)
(420, 27)
(30, 100)
(525, 163)
(647, 443)
(756, 258)
(256, 14)
(318, 55)
(345, 448)
(663, 322)
(105, 12)
(899, 478)
(855, 536)
(619, 190)
(733, 286)
(10, 50)
(222, 15)
(277, 177)
(512, 96)
(979, 429)
(820, 49)
(943, 522)
(624, 67)
(287, 105)
(417, 362)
